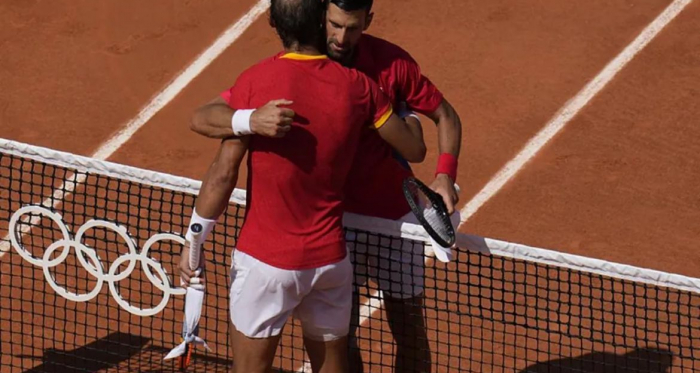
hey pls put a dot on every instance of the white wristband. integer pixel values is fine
(207, 226)
(240, 122)
(412, 114)
(404, 112)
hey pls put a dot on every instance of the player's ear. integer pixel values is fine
(368, 21)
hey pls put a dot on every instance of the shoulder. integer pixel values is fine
(387, 60)
(385, 50)
(347, 75)
(261, 67)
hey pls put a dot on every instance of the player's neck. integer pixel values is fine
(351, 58)
(305, 50)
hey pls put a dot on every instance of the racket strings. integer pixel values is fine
(435, 218)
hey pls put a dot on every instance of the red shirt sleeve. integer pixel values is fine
(379, 104)
(238, 96)
(419, 93)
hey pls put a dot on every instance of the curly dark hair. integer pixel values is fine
(352, 5)
(298, 21)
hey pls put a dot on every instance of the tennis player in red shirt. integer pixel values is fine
(291, 256)
(374, 184)
(375, 181)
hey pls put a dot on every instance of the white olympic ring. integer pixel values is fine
(90, 261)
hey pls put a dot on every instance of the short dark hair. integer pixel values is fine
(352, 5)
(297, 21)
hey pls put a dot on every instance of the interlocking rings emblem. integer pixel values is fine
(90, 261)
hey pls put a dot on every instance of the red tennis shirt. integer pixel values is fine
(374, 184)
(295, 183)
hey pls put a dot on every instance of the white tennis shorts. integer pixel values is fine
(262, 297)
(395, 264)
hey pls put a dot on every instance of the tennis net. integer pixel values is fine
(87, 253)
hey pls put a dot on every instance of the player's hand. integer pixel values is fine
(184, 271)
(445, 187)
(271, 120)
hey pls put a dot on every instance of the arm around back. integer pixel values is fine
(217, 119)
(406, 137)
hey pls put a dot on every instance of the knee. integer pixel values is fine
(249, 363)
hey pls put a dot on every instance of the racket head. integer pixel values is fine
(430, 210)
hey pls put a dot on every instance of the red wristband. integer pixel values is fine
(447, 164)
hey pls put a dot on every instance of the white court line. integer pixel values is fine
(185, 78)
(157, 103)
(569, 111)
(555, 125)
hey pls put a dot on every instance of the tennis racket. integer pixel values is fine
(195, 252)
(430, 210)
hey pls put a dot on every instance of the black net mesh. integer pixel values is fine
(479, 313)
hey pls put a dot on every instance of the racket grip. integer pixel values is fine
(195, 246)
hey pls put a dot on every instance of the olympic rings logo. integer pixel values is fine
(90, 261)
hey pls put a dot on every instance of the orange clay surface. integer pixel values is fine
(619, 183)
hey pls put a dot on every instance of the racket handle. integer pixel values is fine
(195, 246)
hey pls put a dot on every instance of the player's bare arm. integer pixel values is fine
(449, 141)
(217, 186)
(449, 128)
(406, 137)
(218, 120)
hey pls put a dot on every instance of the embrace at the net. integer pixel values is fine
(329, 126)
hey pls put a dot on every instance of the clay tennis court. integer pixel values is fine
(617, 181)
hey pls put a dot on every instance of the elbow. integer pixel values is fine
(200, 123)
(196, 124)
(446, 115)
(421, 153)
(417, 155)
